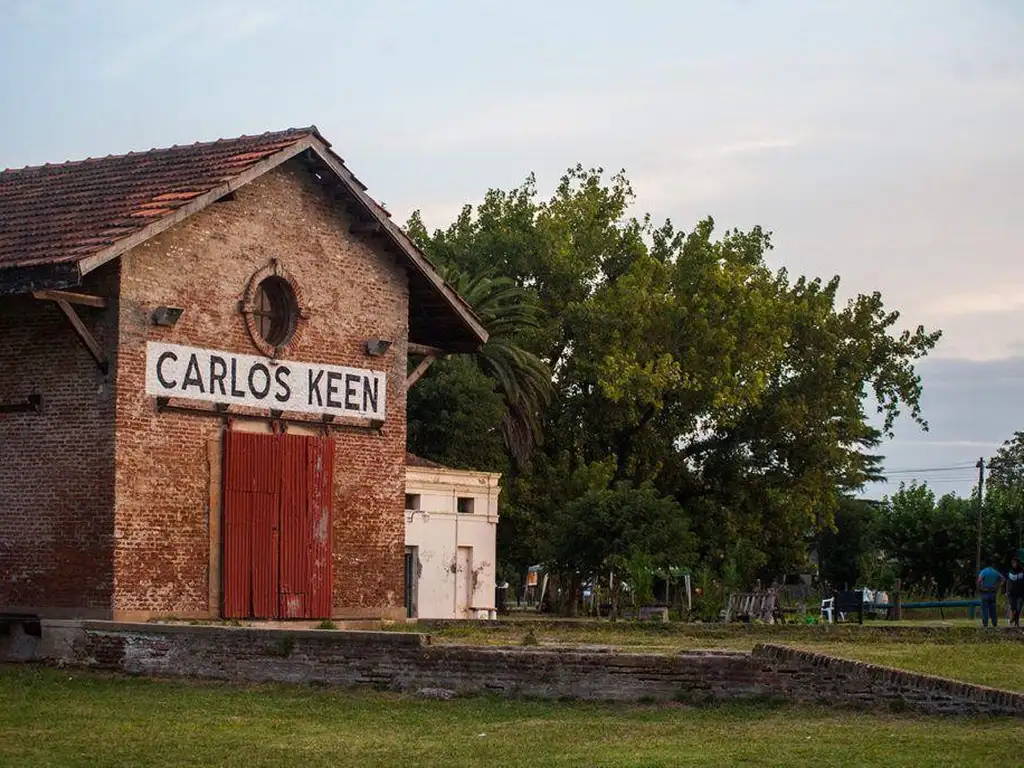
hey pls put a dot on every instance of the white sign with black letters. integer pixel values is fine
(173, 370)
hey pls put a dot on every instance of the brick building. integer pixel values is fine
(203, 367)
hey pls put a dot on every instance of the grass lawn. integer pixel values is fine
(59, 718)
(628, 636)
(669, 638)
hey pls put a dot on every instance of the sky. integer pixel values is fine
(881, 141)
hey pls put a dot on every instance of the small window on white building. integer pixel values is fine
(412, 501)
(465, 505)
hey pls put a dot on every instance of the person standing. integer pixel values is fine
(989, 580)
(1015, 589)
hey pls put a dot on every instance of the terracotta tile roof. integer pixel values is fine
(59, 222)
(412, 460)
(58, 213)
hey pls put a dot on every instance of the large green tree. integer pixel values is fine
(684, 361)
(455, 417)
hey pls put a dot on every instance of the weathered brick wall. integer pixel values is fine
(820, 679)
(408, 662)
(351, 291)
(56, 467)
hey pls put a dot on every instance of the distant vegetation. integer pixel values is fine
(929, 543)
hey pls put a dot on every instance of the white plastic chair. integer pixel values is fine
(828, 607)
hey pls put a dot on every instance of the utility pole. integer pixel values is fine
(981, 495)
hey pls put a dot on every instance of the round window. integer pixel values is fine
(275, 311)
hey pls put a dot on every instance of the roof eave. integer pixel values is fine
(44, 276)
(416, 257)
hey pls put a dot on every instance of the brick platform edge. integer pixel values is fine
(408, 662)
(820, 679)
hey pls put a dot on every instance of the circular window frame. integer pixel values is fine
(252, 312)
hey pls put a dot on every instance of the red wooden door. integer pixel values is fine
(320, 492)
(277, 523)
(305, 527)
(251, 504)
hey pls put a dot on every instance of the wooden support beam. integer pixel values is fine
(72, 298)
(365, 227)
(83, 333)
(418, 371)
(425, 350)
(327, 421)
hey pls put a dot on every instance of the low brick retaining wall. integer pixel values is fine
(408, 662)
(820, 679)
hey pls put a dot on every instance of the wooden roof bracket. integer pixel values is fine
(64, 300)
(85, 299)
(83, 333)
(418, 371)
(429, 354)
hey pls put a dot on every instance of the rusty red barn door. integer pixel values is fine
(277, 523)
(307, 465)
(251, 510)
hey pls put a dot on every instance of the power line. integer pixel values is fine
(944, 477)
(926, 475)
(950, 468)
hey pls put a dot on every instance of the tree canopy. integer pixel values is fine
(684, 368)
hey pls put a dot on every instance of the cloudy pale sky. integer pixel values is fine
(883, 141)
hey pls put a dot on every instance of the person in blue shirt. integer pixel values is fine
(989, 581)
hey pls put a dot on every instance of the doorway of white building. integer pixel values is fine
(411, 581)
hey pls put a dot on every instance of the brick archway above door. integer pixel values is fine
(277, 526)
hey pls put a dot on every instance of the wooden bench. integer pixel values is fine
(747, 606)
(940, 604)
(648, 612)
(848, 603)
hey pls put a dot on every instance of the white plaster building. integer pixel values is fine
(451, 522)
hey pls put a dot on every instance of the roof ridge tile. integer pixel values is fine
(55, 211)
(296, 132)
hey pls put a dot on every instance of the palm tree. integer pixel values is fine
(522, 378)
